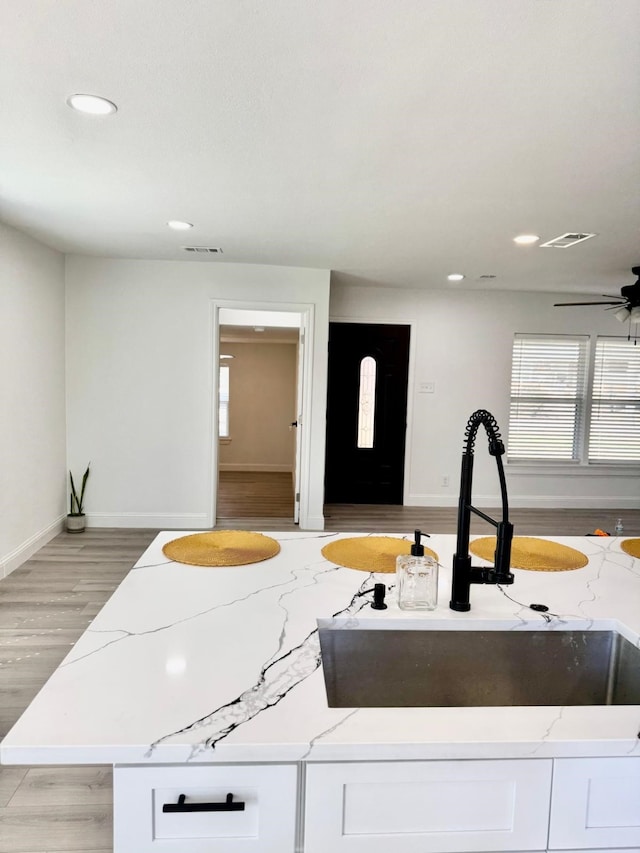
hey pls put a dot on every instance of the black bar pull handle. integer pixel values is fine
(183, 806)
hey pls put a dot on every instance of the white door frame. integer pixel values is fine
(306, 310)
(301, 414)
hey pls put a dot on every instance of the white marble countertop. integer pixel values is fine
(188, 664)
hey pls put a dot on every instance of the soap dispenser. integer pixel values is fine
(417, 578)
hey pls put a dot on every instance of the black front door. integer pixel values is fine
(366, 413)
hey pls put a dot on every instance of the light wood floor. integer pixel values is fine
(251, 494)
(48, 602)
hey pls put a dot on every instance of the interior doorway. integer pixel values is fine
(368, 373)
(259, 404)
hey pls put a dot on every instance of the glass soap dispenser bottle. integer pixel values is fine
(417, 578)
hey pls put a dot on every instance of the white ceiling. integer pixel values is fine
(392, 142)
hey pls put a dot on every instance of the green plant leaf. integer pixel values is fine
(84, 485)
(76, 503)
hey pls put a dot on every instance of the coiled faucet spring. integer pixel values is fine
(486, 419)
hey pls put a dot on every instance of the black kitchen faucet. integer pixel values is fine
(464, 574)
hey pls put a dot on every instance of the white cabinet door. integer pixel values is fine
(427, 807)
(266, 823)
(595, 804)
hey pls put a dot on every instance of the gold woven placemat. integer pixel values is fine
(536, 555)
(221, 548)
(369, 553)
(631, 547)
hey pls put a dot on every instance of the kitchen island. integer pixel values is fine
(208, 682)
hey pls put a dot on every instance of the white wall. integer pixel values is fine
(139, 381)
(262, 406)
(462, 342)
(32, 419)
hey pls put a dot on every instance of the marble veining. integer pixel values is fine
(192, 664)
(278, 676)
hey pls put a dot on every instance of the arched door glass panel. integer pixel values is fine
(366, 402)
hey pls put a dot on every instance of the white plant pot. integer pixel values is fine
(76, 523)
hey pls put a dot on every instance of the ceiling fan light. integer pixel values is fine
(635, 314)
(622, 314)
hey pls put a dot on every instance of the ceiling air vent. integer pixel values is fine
(566, 240)
(203, 250)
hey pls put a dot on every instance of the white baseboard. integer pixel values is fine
(313, 522)
(168, 521)
(9, 562)
(530, 501)
(432, 500)
(254, 466)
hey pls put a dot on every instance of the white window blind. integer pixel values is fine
(614, 434)
(548, 382)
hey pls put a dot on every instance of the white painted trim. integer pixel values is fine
(254, 466)
(308, 327)
(514, 469)
(572, 502)
(307, 322)
(165, 521)
(213, 390)
(443, 500)
(237, 339)
(312, 522)
(23, 552)
(530, 501)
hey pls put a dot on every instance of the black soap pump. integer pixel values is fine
(417, 578)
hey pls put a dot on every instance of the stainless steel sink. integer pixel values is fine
(374, 668)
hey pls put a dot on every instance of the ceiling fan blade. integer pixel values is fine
(560, 304)
(612, 296)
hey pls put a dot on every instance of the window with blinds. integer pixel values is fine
(548, 398)
(223, 401)
(614, 433)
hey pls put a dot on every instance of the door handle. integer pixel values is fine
(181, 806)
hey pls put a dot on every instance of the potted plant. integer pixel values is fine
(76, 519)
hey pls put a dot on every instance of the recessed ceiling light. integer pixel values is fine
(455, 276)
(92, 104)
(258, 328)
(526, 239)
(179, 225)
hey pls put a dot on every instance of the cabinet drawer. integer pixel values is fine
(259, 816)
(596, 803)
(427, 807)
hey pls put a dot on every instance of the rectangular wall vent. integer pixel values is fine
(204, 250)
(566, 240)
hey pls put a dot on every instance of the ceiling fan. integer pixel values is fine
(627, 304)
